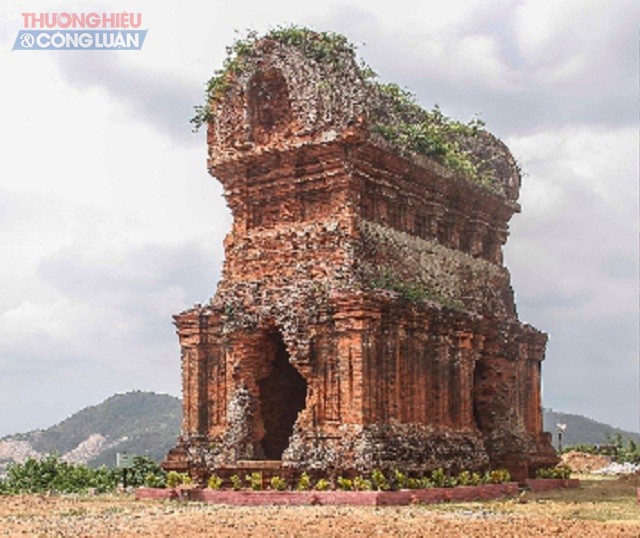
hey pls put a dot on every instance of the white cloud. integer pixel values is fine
(600, 161)
(573, 256)
(578, 201)
(109, 222)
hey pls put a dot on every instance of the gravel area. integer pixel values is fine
(599, 511)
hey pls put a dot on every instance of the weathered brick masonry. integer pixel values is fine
(364, 318)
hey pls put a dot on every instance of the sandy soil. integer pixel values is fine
(579, 462)
(600, 508)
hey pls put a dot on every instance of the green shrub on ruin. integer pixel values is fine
(322, 485)
(322, 47)
(411, 128)
(395, 114)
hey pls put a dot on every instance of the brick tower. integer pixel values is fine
(364, 318)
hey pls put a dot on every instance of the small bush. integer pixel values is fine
(414, 483)
(400, 480)
(143, 467)
(475, 479)
(214, 482)
(464, 478)
(51, 473)
(304, 482)
(362, 484)
(499, 476)
(345, 484)
(439, 478)
(254, 480)
(322, 485)
(175, 479)
(561, 471)
(379, 481)
(425, 482)
(155, 481)
(628, 452)
(277, 483)
(236, 482)
(585, 448)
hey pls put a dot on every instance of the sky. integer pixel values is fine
(110, 223)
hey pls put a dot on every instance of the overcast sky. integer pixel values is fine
(109, 222)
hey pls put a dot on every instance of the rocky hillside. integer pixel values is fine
(137, 422)
(146, 423)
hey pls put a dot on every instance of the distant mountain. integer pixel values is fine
(581, 430)
(148, 424)
(137, 422)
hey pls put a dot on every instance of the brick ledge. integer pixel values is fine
(350, 498)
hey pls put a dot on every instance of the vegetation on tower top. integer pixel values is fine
(393, 114)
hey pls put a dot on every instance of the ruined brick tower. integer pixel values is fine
(364, 318)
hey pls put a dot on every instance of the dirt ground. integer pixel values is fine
(599, 508)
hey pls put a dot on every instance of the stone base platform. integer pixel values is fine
(339, 498)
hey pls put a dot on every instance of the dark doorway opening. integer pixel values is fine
(283, 394)
(268, 104)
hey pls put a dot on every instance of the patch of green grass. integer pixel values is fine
(74, 512)
(413, 291)
(594, 500)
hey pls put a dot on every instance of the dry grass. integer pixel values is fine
(599, 508)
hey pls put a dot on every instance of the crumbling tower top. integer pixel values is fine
(295, 87)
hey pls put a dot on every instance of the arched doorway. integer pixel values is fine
(268, 105)
(283, 394)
